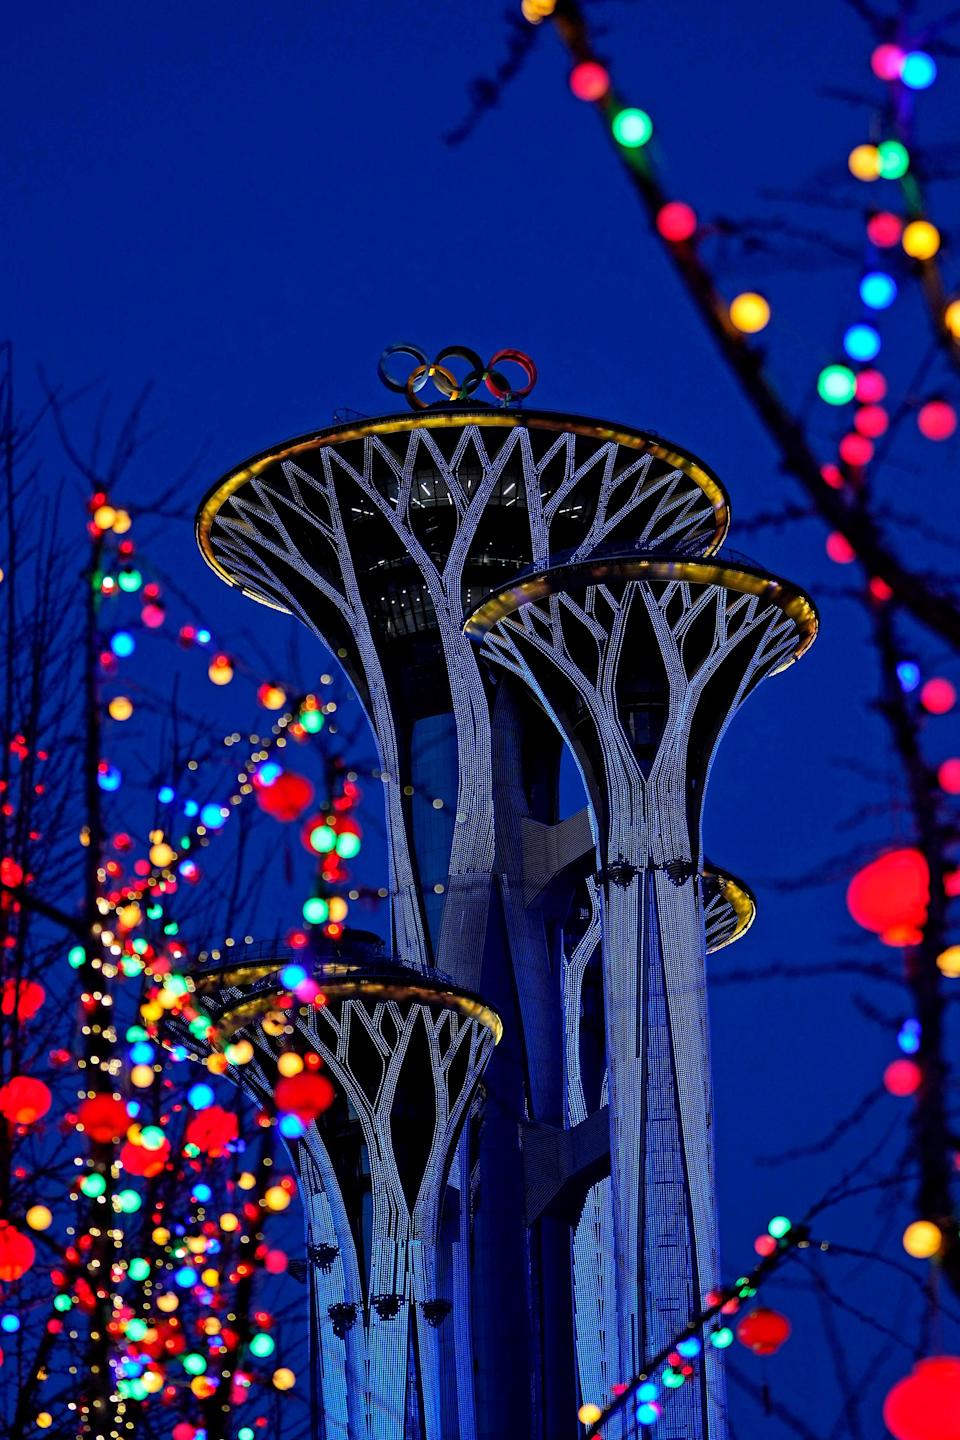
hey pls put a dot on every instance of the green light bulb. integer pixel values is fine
(312, 721)
(130, 580)
(93, 1185)
(348, 845)
(138, 1268)
(262, 1345)
(632, 128)
(322, 839)
(779, 1227)
(194, 1364)
(128, 1202)
(315, 910)
(893, 159)
(721, 1338)
(836, 384)
(76, 956)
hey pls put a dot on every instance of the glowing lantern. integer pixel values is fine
(589, 80)
(922, 1239)
(763, 1331)
(17, 1252)
(937, 420)
(220, 670)
(24, 1100)
(303, 1095)
(138, 1160)
(902, 1077)
(749, 313)
(948, 962)
(677, 222)
(212, 1131)
(926, 1404)
(22, 998)
(920, 240)
(104, 1118)
(890, 896)
(938, 696)
(287, 798)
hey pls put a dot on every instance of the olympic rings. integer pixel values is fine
(450, 388)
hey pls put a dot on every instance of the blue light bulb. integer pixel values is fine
(919, 70)
(908, 673)
(878, 290)
(862, 342)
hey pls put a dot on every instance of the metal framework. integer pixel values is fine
(382, 537)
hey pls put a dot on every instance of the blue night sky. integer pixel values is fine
(244, 203)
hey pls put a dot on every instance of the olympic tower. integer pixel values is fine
(476, 567)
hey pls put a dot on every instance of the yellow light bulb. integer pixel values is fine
(589, 1414)
(920, 240)
(39, 1217)
(210, 1278)
(168, 1303)
(44, 1419)
(104, 517)
(276, 1198)
(130, 915)
(142, 1076)
(290, 1063)
(948, 962)
(217, 1063)
(951, 318)
(122, 523)
(338, 908)
(922, 1239)
(152, 1381)
(240, 1053)
(120, 707)
(284, 1379)
(246, 1181)
(863, 162)
(161, 1235)
(749, 312)
(162, 854)
(229, 1222)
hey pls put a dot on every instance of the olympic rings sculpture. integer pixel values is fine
(445, 381)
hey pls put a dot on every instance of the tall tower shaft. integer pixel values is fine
(642, 661)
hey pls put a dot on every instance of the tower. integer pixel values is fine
(384, 536)
(642, 661)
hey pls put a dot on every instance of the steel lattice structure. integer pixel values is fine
(384, 537)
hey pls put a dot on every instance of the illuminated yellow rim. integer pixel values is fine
(740, 899)
(791, 601)
(375, 989)
(697, 471)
